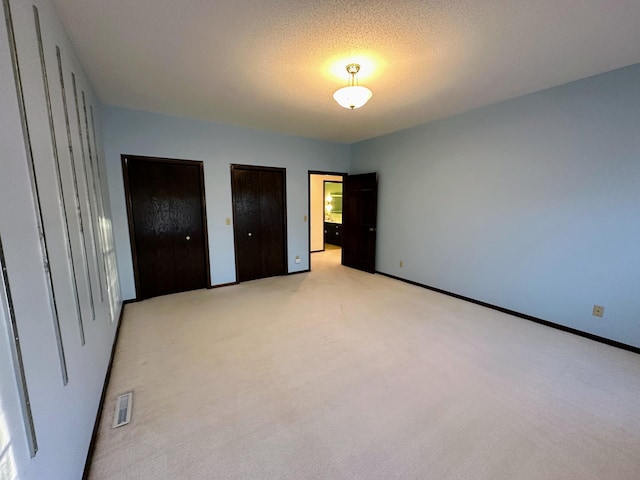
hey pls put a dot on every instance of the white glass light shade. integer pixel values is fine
(353, 96)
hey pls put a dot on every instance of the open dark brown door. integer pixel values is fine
(359, 214)
(167, 225)
(259, 221)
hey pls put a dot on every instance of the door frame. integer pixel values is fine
(281, 170)
(203, 210)
(316, 172)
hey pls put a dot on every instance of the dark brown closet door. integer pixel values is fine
(359, 220)
(259, 221)
(167, 224)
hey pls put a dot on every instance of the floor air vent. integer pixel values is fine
(122, 415)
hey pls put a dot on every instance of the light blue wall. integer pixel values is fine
(218, 146)
(63, 415)
(532, 204)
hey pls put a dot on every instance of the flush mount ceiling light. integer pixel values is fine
(352, 96)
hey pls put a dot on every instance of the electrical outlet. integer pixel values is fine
(401, 263)
(297, 260)
(598, 311)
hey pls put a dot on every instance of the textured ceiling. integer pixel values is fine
(274, 65)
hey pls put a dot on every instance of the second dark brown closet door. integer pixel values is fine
(259, 221)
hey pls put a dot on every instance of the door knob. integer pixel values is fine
(249, 233)
(372, 229)
(188, 237)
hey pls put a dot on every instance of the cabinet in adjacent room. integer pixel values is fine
(333, 233)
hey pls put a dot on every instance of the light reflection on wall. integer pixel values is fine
(113, 287)
(8, 469)
(7, 461)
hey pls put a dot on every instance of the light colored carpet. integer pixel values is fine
(338, 374)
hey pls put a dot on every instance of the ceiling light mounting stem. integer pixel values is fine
(352, 70)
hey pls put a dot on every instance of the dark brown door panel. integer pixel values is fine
(259, 219)
(167, 225)
(359, 221)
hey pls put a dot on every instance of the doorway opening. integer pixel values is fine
(325, 217)
(357, 230)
